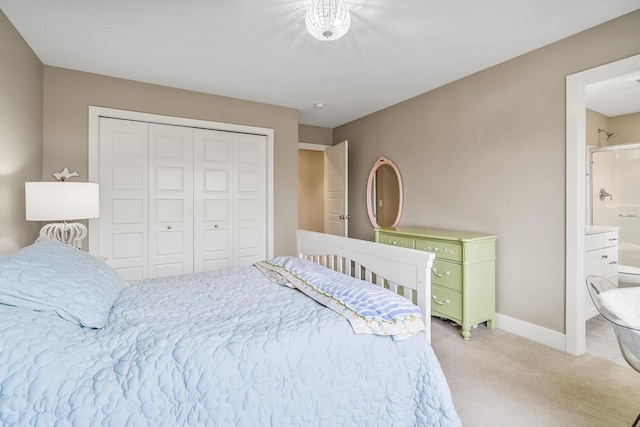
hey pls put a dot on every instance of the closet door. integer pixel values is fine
(230, 204)
(170, 200)
(250, 199)
(176, 200)
(123, 196)
(213, 168)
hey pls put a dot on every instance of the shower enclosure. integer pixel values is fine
(614, 197)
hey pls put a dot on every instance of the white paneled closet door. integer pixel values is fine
(176, 199)
(230, 203)
(124, 205)
(170, 200)
(213, 224)
(249, 194)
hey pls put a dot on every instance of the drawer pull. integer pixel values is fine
(446, 251)
(435, 272)
(435, 298)
(605, 256)
(613, 262)
(612, 239)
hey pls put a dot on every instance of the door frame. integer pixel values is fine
(575, 219)
(94, 161)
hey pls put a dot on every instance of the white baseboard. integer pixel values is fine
(553, 339)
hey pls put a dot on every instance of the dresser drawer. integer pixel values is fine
(446, 302)
(405, 242)
(447, 275)
(443, 250)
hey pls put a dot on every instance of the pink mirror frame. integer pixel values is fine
(379, 163)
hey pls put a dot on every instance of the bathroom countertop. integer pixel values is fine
(593, 229)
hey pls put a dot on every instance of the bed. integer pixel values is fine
(248, 346)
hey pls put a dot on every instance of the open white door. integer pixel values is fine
(336, 200)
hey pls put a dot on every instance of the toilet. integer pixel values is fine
(628, 276)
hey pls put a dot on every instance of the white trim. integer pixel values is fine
(530, 331)
(576, 193)
(94, 137)
(312, 147)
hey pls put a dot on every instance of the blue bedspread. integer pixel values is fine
(224, 348)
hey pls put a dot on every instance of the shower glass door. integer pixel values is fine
(615, 196)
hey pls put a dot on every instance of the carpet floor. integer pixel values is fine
(499, 379)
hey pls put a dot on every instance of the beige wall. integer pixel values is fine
(311, 190)
(595, 121)
(487, 153)
(68, 95)
(628, 128)
(20, 135)
(315, 135)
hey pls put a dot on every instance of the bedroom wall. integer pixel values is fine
(20, 135)
(315, 135)
(68, 95)
(487, 153)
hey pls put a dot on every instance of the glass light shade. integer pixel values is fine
(328, 20)
(61, 201)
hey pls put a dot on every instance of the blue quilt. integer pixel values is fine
(227, 348)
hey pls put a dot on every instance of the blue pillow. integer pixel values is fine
(54, 277)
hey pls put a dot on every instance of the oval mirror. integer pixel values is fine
(384, 194)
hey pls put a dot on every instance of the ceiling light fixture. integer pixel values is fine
(327, 20)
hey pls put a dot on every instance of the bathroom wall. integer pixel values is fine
(628, 128)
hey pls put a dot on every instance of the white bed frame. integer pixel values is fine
(404, 271)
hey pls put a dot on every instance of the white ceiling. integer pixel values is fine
(259, 50)
(615, 97)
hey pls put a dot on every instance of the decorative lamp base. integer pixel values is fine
(69, 233)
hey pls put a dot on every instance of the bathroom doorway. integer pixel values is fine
(576, 85)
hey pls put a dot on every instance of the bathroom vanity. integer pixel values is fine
(600, 257)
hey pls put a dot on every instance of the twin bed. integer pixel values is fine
(286, 342)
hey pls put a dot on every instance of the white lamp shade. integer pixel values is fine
(61, 201)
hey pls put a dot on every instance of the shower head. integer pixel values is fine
(610, 135)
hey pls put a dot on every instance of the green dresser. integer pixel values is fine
(463, 273)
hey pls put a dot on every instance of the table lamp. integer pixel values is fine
(62, 202)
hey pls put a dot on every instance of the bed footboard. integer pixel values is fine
(404, 271)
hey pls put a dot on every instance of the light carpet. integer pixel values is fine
(499, 379)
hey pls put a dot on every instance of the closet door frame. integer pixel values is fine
(94, 156)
